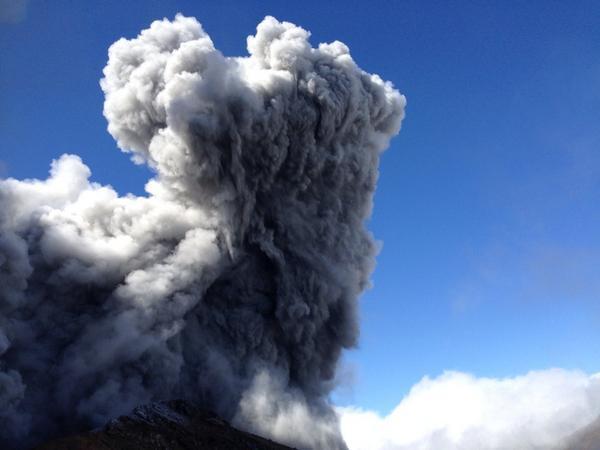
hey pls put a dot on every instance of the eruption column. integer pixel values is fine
(234, 282)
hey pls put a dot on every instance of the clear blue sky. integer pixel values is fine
(487, 202)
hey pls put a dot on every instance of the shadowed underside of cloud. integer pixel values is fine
(542, 410)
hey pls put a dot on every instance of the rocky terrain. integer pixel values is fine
(173, 425)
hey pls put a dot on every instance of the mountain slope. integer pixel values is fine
(173, 425)
(587, 438)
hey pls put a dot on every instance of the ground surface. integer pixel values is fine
(174, 425)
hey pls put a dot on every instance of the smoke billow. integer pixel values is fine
(233, 283)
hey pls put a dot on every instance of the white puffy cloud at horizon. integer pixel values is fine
(458, 411)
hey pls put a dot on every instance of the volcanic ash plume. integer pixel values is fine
(233, 283)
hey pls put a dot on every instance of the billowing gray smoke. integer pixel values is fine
(233, 283)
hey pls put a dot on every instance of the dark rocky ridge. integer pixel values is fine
(173, 425)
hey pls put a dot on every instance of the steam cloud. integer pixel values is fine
(233, 283)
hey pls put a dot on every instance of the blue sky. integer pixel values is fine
(487, 200)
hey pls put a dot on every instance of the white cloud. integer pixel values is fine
(457, 411)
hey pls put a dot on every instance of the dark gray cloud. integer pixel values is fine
(233, 283)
